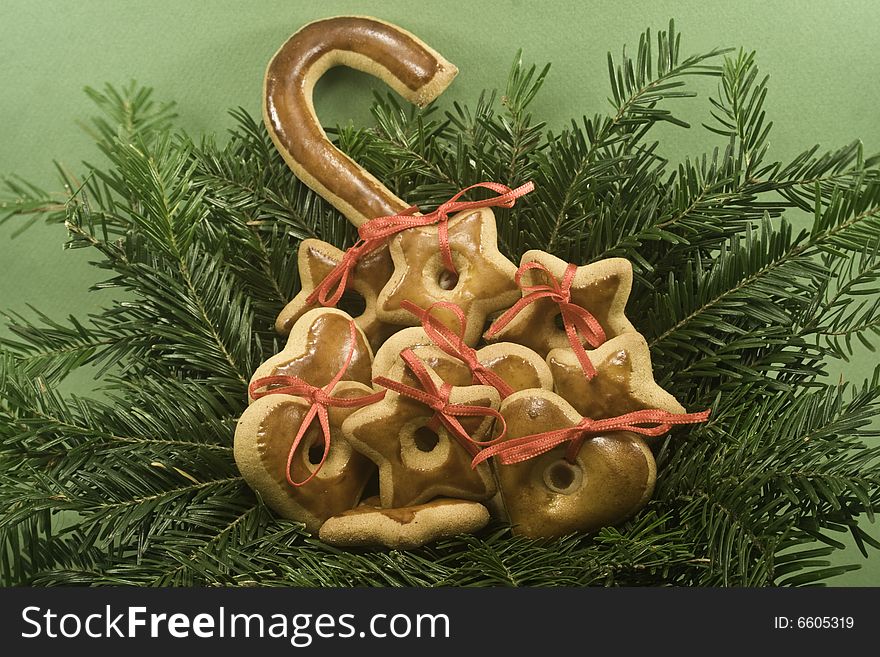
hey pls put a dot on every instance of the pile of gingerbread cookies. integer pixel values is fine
(467, 387)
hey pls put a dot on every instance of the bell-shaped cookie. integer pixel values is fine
(518, 367)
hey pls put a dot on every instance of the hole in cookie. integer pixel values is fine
(447, 280)
(425, 440)
(489, 321)
(563, 477)
(353, 303)
(316, 451)
(370, 494)
(558, 323)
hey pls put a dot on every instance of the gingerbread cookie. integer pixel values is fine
(310, 481)
(316, 261)
(423, 436)
(610, 477)
(482, 281)
(450, 369)
(601, 289)
(317, 347)
(624, 380)
(505, 366)
(403, 528)
(398, 58)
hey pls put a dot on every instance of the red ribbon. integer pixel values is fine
(520, 449)
(437, 399)
(320, 399)
(577, 321)
(375, 232)
(329, 291)
(453, 343)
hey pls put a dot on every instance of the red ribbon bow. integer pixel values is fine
(329, 291)
(527, 447)
(437, 399)
(320, 399)
(375, 232)
(453, 343)
(577, 321)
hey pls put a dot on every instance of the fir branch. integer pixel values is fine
(636, 90)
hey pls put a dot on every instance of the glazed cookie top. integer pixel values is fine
(316, 260)
(505, 366)
(424, 434)
(590, 299)
(560, 472)
(318, 347)
(608, 478)
(624, 380)
(395, 56)
(482, 283)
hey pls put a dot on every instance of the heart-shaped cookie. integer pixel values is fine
(263, 440)
(318, 347)
(610, 477)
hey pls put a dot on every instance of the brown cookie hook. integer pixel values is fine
(398, 58)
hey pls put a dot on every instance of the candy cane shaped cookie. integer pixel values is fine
(409, 67)
(398, 58)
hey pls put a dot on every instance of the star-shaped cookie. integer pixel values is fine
(624, 380)
(602, 288)
(417, 463)
(482, 285)
(315, 260)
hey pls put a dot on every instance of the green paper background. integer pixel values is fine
(823, 58)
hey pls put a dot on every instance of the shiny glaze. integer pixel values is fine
(318, 356)
(514, 370)
(607, 394)
(290, 115)
(618, 474)
(518, 366)
(485, 276)
(449, 369)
